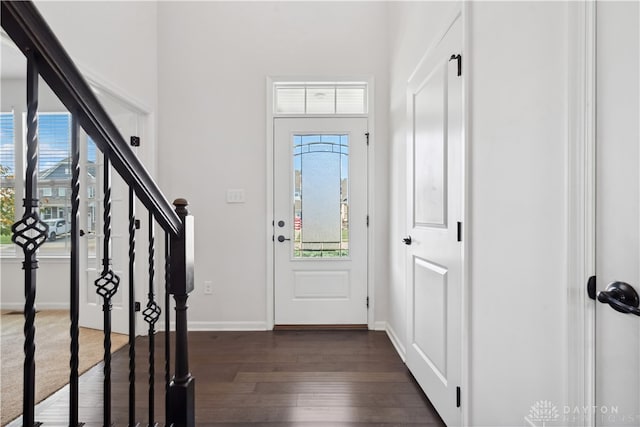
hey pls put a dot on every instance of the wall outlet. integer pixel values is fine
(208, 287)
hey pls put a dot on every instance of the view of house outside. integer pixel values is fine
(54, 181)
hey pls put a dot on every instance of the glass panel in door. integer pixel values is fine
(320, 196)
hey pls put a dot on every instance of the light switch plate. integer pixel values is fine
(235, 196)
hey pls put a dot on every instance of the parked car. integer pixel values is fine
(57, 227)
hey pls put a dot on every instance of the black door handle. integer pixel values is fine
(407, 240)
(621, 297)
(281, 238)
(82, 233)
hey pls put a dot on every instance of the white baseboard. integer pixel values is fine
(402, 352)
(380, 326)
(220, 326)
(19, 306)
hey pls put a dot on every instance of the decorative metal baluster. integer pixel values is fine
(75, 271)
(167, 324)
(151, 315)
(30, 233)
(132, 309)
(107, 286)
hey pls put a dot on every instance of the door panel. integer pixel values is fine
(618, 209)
(434, 254)
(320, 214)
(430, 315)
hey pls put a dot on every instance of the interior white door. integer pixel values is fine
(618, 210)
(434, 251)
(92, 222)
(320, 221)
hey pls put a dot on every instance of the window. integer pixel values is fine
(54, 177)
(7, 181)
(320, 98)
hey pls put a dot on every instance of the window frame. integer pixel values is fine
(318, 84)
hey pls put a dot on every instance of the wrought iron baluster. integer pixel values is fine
(75, 271)
(132, 308)
(107, 286)
(151, 315)
(30, 233)
(167, 324)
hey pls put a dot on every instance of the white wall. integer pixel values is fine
(115, 41)
(518, 141)
(214, 58)
(516, 65)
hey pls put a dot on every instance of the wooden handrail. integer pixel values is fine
(30, 32)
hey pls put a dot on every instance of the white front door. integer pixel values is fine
(618, 210)
(92, 223)
(434, 251)
(320, 221)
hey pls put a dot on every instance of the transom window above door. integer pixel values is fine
(320, 98)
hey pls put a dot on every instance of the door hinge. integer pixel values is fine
(367, 135)
(137, 224)
(137, 306)
(135, 141)
(459, 231)
(591, 287)
(367, 302)
(367, 220)
(458, 57)
(458, 397)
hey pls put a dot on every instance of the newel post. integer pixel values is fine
(182, 387)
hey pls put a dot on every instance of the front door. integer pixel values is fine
(320, 221)
(434, 251)
(617, 212)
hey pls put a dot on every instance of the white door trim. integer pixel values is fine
(465, 374)
(581, 204)
(269, 191)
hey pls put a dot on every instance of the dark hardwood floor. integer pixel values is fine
(279, 378)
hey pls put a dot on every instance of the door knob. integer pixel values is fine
(281, 238)
(621, 297)
(407, 240)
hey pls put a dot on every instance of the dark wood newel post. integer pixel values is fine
(182, 387)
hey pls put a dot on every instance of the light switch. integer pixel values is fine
(235, 196)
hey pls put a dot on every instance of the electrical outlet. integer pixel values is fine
(208, 287)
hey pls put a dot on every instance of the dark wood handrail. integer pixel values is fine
(30, 32)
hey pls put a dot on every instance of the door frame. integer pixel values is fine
(581, 206)
(372, 324)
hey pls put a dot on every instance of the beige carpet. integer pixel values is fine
(52, 356)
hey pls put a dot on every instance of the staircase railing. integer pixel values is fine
(47, 58)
